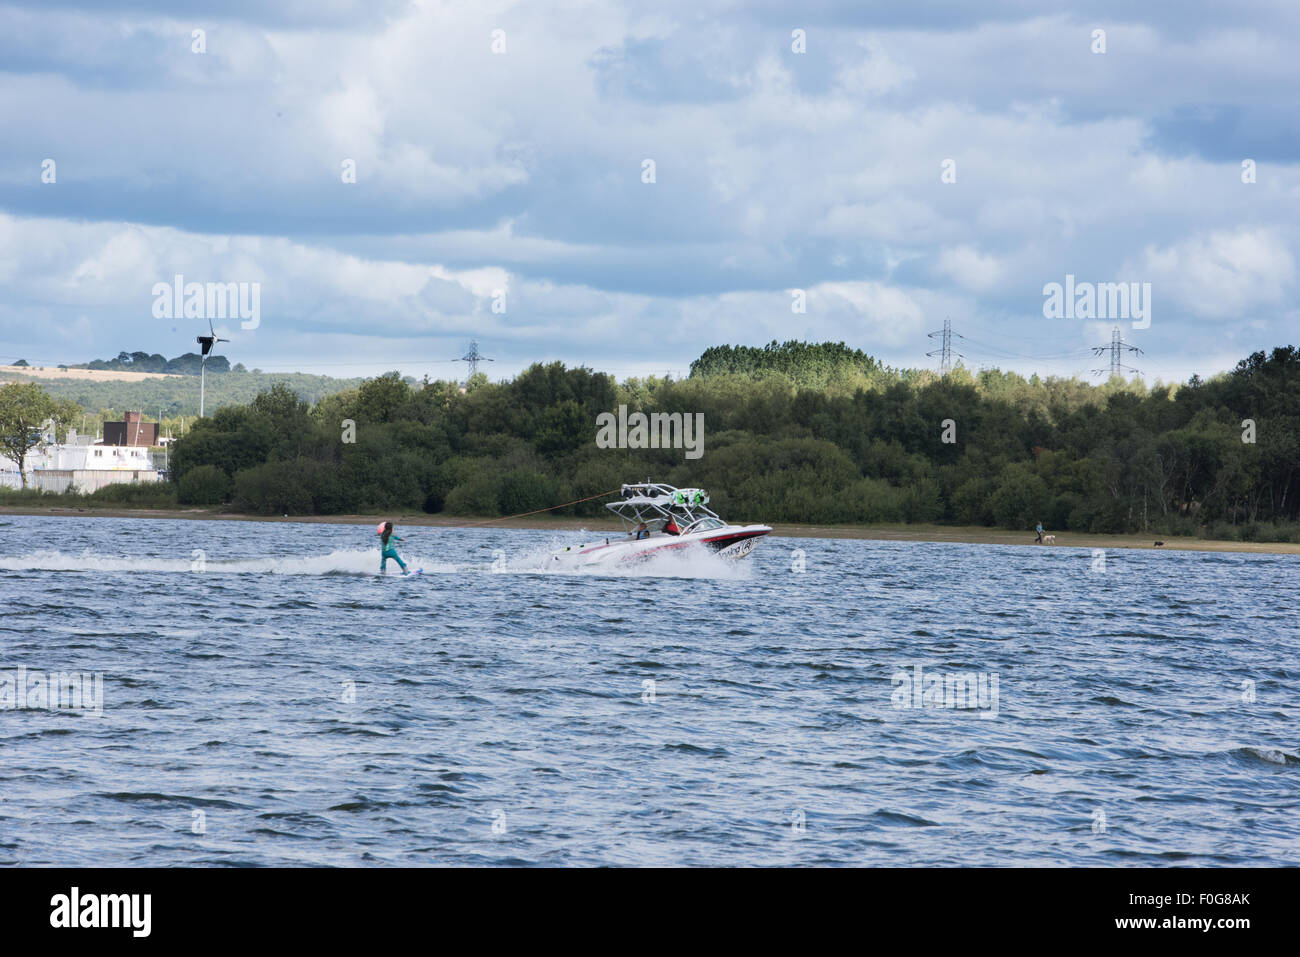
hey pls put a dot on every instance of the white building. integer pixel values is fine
(56, 468)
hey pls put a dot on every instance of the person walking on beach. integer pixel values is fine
(1039, 530)
(387, 549)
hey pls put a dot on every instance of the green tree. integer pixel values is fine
(204, 485)
(378, 399)
(1020, 499)
(24, 411)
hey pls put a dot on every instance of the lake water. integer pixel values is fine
(267, 699)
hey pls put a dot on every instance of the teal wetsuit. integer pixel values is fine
(390, 551)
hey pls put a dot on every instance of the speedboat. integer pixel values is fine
(659, 519)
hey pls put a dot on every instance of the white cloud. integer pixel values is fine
(874, 72)
(519, 171)
(970, 268)
(1221, 275)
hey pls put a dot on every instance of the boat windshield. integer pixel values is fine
(707, 524)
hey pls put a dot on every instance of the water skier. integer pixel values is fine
(387, 549)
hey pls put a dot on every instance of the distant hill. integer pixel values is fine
(175, 394)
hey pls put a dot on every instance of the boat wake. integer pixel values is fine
(689, 563)
(697, 562)
(335, 563)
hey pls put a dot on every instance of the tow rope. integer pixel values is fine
(550, 508)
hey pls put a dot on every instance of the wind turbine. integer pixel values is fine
(205, 345)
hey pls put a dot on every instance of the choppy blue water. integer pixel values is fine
(1145, 714)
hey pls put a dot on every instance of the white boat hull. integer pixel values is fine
(729, 542)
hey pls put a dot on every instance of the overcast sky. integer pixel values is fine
(515, 162)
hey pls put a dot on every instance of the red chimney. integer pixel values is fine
(131, 431)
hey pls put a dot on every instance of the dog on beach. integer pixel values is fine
(1049, 539)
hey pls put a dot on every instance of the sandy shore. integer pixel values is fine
(895, 533)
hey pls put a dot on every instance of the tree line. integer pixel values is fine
(794, 433)
(187, 364)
